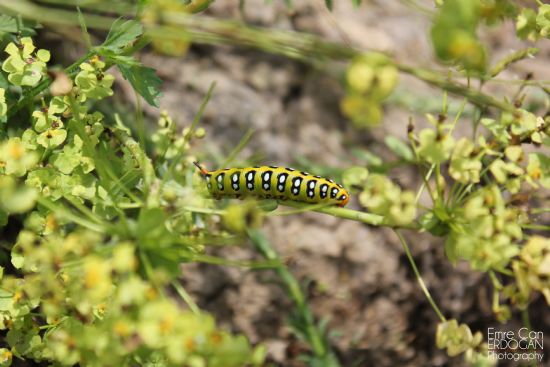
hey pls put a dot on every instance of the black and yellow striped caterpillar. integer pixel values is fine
(271, 182)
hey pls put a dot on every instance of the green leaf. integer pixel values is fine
(84, 28)
(400, 148)
(145, 81)
(356, 3)
(329, 4)
(122, 33)
(8, 24)
(17, 259)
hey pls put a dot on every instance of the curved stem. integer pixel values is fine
(295, 45)
(419, 277)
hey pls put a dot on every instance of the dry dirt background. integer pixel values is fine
(357, 276)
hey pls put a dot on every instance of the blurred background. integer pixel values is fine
(357, 277)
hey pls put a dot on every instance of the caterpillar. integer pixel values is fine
(272, 182)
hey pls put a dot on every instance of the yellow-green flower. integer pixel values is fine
(52, 138)
(435, 147)
(15, 159)
(23, 67)
(93, 82)
(383, 197)
(465, 165)
(456, 338)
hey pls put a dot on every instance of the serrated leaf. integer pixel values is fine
(122, 33)
(145, 81)
(397, 146)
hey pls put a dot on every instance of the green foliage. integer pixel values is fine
(97, 247)
(105, 221)
(381, 196)
(465, 165)
(531, 270)
(92, 82)
(454, 34)
(485, 231)
(533, 25)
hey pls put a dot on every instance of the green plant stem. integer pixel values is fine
(199, 114)
(245, 139)
(540, 210)
(304, 47)
(367, 218)
(512, 58)
(443, 82)
(206, 30)
(189, 134)
(419, 277)
(540, 227)
(70, 216)
(186, 297)
(313, 335)
(527, 323)
(309, 207)
(135, 149)
(149, 271)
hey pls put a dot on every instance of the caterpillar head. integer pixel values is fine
(343, 199)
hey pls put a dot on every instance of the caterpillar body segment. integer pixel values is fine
(273, 182)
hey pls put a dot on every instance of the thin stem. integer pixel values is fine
(207, 30)
(186, 297)
(299, 210)
(540, 210)
(541, 227)
(419, 277)
(368, 218)
(194, 124)
(245, 139)
(527, 323)
(149, 272)
(306, 322)
(199, 114)
(70, 216)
